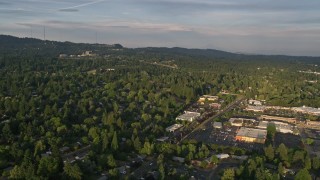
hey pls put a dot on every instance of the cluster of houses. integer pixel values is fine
(84, 54)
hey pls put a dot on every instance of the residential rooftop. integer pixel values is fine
(173, 127)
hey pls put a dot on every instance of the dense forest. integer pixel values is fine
(120, 100)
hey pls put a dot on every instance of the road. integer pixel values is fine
(207, 123)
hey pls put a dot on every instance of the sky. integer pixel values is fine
(289, 27)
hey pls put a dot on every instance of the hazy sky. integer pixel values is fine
(248, 26)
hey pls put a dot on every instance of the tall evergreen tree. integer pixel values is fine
(114, 143)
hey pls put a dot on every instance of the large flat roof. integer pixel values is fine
(188, 115)
(280, 126)
(252, 133)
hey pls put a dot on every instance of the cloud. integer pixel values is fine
(189, 7)
(111, 24)
(17, 12)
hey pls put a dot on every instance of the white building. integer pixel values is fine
(173, 127)
(188, 116)
(222, 156)
(255, 102)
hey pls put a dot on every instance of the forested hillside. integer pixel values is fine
(120, 100)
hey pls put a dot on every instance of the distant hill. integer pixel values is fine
(32, 46)
(11, 44)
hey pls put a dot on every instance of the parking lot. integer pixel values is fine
(224, 136)
(290, 140)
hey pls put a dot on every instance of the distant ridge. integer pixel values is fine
(47, 48)
(12, 44)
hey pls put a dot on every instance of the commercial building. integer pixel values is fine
(277, 118)
(256, 108)
(241, 121)
(173, 127)
(303, 109)
(313, 124)
(251, 135)
(307, 110)
(188, 116)
(280, 126)
(203, 98)
(283, 127)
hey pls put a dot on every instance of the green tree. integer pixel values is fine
(93, 132)
(283, 152)
(303, 174)
(214, 159)
(48, 167)
(17, 173)
(280, 169)
(275, 176)
(114, 173)
(111, 161)
(269, 152)
(228, 174)
(307, 162)
(147, 148)
(309, 141)
(105, 141)
(271, 131)
(6, 132)
(24, 171)
(72, 171)
(252, 166)
(298, 156)
(160, 164)
(114, 142)
(137, 144)
(315, 163)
